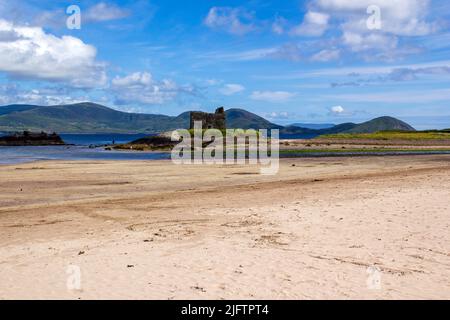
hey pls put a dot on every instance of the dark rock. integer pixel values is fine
(31, 139)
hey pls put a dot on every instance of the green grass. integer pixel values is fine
(360, 150)
(391, 135)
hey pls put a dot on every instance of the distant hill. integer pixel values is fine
(381, 124)
(84, 118)
(239, 118)
(314, 126)
(15, 108)
(94, 118)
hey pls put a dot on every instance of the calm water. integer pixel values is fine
(11, 155)
(79, 150)
(99, 139)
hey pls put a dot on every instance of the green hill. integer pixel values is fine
(381, 124)
(239, 118)
(15, 108)
(94, 118)
(85, 118)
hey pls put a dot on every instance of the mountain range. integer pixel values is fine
(94, 118)
(315, 126)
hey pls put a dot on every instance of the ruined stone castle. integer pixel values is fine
(215, 120)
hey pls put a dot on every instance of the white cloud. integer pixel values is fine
(278, 25)
(104, 12)
(337, 110)
(231, 89)
(314, 24)
(232, 20)
(289, 51)
(31, 53)
(31, 13)
(399, 17)
(282, 115)
(272, 96)
(249, 55)
(359, 42)
(398, 74)
(141, 88)
(326, 55)
(136, 79)
(407, 97)
(13, 94)
(213, 82)
(340, 71)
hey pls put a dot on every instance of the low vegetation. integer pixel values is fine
(391, 135)
(361, 150)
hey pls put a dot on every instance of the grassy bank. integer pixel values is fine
(391, 135)
(360, 150)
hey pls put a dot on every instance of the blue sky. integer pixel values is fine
(289, 61)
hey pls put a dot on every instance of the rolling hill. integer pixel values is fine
(94, 118)
(381, 124)
(85, 118)
(239, 118)
(15, 108)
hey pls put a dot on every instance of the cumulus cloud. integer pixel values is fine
(314, 24)
(231, 89)
(399, 18)
(104, 12)
(232, 20)
(29, 52)
(336, 110)
(141, 88)
(272, 96)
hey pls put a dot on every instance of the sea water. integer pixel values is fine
(81, 147)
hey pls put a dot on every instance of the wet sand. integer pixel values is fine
(326, 228)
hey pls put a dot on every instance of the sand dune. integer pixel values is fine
(345, 228)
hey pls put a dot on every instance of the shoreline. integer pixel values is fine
(295, 154)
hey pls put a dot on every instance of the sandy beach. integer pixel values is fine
(323, 228)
